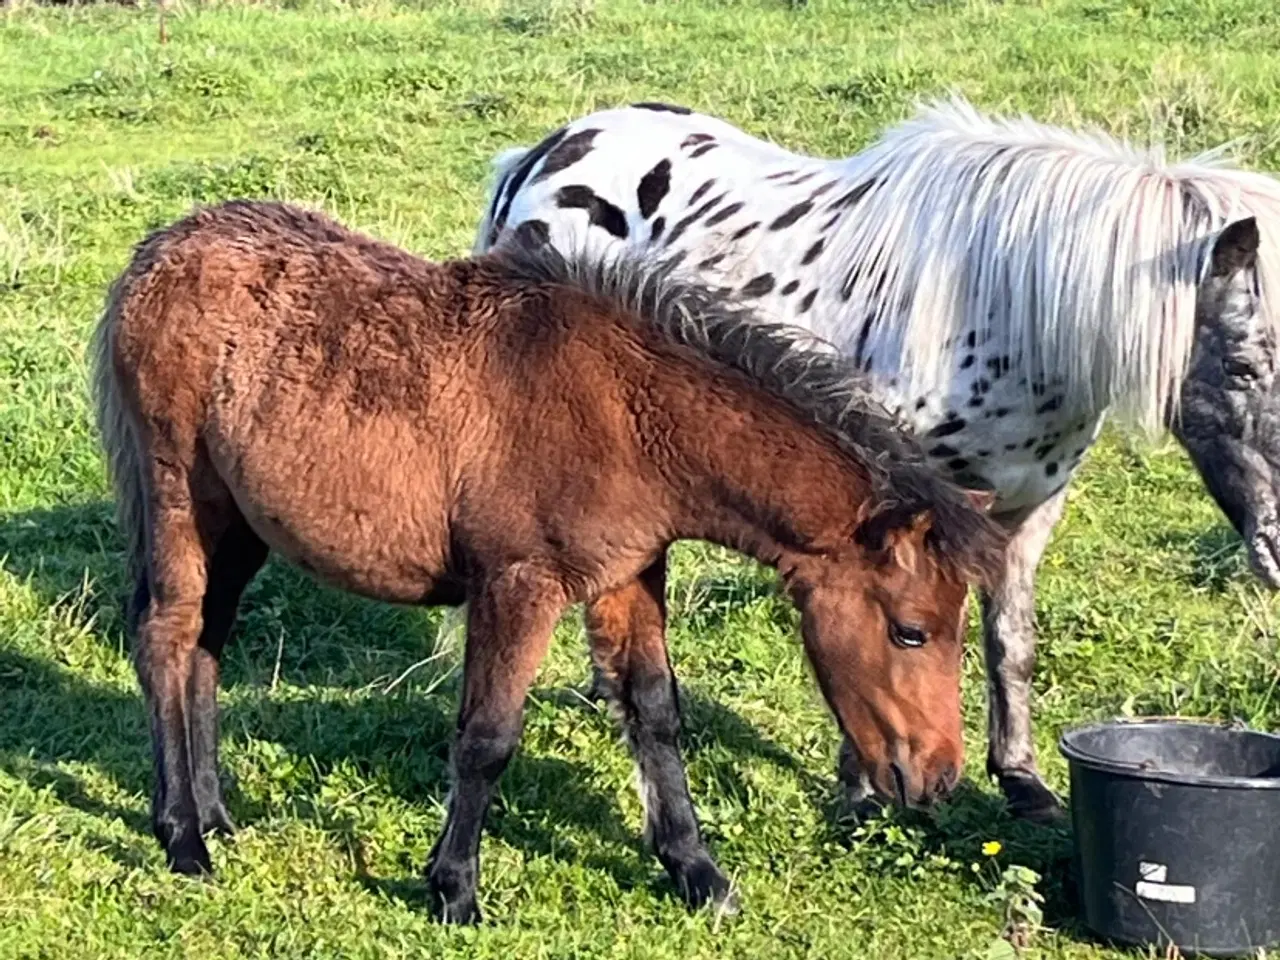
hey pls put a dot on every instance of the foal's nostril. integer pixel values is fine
(899, 784)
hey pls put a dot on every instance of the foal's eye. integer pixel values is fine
(906, 637)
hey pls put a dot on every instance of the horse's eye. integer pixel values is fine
(1238, 369)
(906, 637)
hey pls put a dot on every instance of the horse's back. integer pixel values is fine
(303, 371)
(371, 415)
(642, 178)
(771, 226)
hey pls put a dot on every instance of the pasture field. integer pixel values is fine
(338, 713)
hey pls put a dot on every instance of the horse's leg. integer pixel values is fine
(627, 630)
(168, 632)
(238, 557)
(1008, 619)
(509, 624)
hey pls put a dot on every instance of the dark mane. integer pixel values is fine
(792, 364)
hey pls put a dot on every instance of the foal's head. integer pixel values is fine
(883, 621)
(877, 552)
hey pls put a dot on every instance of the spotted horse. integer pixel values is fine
(1005, 283)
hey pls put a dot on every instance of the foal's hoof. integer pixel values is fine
(701, 883)
(190, 858)
(183, 846)
(460, 911)
(453, 901)
(1029, 799)
(598, 690)
(216, 820)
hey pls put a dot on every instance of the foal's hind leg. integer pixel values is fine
(238, 557)
(168, 633)
(509, 624)
(627, 630)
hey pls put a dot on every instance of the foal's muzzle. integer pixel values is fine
(922, 787)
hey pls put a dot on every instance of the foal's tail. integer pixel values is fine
(117, 430)
(503, 164)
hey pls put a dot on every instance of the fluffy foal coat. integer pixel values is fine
(519, 432)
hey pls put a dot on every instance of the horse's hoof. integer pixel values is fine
(453, 899)
(854, 802)
(701, 883)
(190, 860)
(598, 690)
(460, 912)
(184, 848)
(215, 819)
(1029, 799)
(727, 904)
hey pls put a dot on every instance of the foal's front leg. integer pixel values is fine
(509, 625)
(627, 631)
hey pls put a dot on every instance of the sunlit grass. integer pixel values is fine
(386, 115)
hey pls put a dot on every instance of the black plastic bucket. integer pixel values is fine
(1177, 829)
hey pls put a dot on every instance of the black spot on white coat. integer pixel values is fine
(791, 215)
(952, 424)
(653, 187)
(533, 233)
(600, 212)
(661, 107)
(566, 153)
(698, 214)
(724, 213)
(758, 286)
(518, 176)
(701, 191)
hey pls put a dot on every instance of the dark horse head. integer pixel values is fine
(1229, 419)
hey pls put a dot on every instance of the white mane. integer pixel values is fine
(1080, 253)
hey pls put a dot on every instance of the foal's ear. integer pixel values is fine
(905, 543)
(981, 499)
(1236, 248)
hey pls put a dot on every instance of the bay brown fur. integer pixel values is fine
(518, 432)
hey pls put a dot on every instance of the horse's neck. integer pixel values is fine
(755, 477)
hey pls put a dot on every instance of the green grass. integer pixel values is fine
(386, 114)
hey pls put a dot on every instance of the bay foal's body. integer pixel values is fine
(515, 433)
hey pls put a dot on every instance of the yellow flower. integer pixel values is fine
(991, 848)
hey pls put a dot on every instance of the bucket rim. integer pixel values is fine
(1075, 755)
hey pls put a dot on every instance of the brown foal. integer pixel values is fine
(518, 432)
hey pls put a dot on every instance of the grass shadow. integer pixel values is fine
(72, 558)
(53, 717)
(1217, 555)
